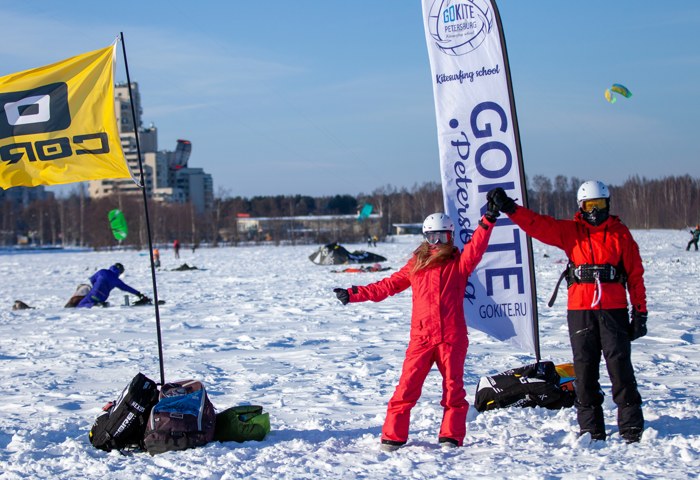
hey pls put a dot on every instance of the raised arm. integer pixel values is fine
(476, 246)
(544, 228)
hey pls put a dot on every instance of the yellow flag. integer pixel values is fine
(57, 123)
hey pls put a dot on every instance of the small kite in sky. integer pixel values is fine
(617, 88)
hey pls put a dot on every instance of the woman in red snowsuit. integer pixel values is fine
(437, 272)
(604, 263)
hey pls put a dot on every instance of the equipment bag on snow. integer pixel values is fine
(238, 424)
(535, 385)
(124, 421)
(184, 417)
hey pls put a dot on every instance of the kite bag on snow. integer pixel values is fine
(540, 384)
(242, 423)
(335, 254)
(124, 421)
(184, 417)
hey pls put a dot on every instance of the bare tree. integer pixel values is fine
(543, 191)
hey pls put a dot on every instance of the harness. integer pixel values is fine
(591, 273)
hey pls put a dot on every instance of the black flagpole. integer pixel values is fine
(148, 222)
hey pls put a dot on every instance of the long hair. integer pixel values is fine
(428, 256)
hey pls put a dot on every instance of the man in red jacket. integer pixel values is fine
(437, 273)
(604, 262)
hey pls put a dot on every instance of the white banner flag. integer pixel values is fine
(479, 150)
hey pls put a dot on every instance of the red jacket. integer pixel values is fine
(610, 242)
(438, 292)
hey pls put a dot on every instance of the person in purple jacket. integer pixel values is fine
(103, 282)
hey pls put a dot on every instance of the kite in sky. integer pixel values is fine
(619, 89)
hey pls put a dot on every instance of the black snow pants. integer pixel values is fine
(693, 241)
(592, 332)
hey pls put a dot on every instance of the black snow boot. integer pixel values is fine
(594, 435)
(591, 420)
(391, 445)
(447, 442)
(632, 435)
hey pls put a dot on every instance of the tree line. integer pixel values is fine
(668, 203)
(76, 220)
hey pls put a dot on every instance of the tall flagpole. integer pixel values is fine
(516, 132)
(148, 222)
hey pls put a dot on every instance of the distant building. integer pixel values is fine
(148, 138)
(167, 175)
(305, 228)
(407, 228)
(24, 195)
(197, 187)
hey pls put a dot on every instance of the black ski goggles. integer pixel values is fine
(442, 236)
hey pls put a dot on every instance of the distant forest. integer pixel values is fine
(75, 220)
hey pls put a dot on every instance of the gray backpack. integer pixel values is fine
(184, 417)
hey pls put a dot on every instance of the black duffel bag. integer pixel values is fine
(535, 385)
(124, 421)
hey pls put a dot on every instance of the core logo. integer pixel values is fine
(460, 26)
(39, 110)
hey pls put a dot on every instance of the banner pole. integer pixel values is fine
(516, 132)
(478, 139)
(148, 222)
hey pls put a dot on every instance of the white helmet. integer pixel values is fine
(590, 190)
(438, 222)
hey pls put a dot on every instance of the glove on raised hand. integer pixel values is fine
(342, 295)
(492, 211)
(501, 200)
(638, 325)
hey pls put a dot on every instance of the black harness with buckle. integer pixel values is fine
(590, 273)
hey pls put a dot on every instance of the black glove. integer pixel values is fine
(143, 298)
(638, 325)
(501, 200)
(492, 210)
(342, 295)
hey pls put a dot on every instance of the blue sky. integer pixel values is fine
(327, 97)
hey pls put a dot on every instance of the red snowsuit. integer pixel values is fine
(438, 335)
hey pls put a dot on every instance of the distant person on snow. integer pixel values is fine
(604, 260)
(694, 241)
(176, 247)
(156, 258)
(103, 282)
(437, 272)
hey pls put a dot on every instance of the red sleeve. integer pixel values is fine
(544, 228)
(477, 245)
(378, 291)
(635, 274)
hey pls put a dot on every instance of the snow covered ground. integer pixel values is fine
(260, 325)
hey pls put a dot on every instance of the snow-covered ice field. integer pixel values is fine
(261, 325)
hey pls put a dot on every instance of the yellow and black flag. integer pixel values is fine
(57, 123)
